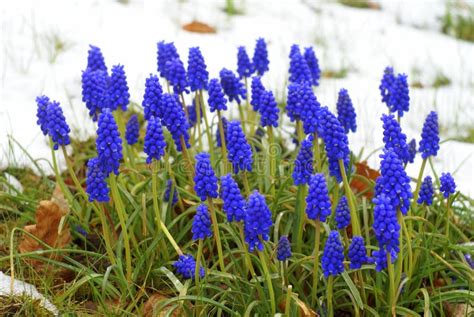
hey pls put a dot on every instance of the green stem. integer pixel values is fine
(183, 103)
(271, 159)
(268, 280)
(246, 183)
(288, 301)
(108, 242)
(410, 265)
(154, 189)
(217, 235)
(447, 217)
(418, 183)
(301, 215)
(354, 217)
(317, 237)
(67, 193)
(392, 295)
(242, 117)
(223, 143)
(171, 239)
(329, 296)
(198, 261)
(299, 131)
(250, 112)
(206, 122)
(197, 105)
(187, 159)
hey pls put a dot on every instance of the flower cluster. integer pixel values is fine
(429, 144)
(175, 120)
(95, 91)
(345, 111)
(186, 265)
(154, 145)
(176, 75)
(399, 100)
(299, 70)
(232, 86)
(58, 129)
(118, 89)
(357, 253)
(260, 57)
(152, 98)
(258, 221)
(132, 130)
(313, 64)
(216, 100)
(239, 150)
(386, 83)
(244, 65)
(42, 113)
(304, 163)
(448, 186)
(394, 138)
(201, 223)
(205, 180)
(386, 226)
(198, 76)
(166, 53)
(169, 185)
(343, 214)
(283, 249)
(257, 89)
(268, 110)
(426, 192)
(95, 59)
(332, 260)
(108, 143)
(308, 109)
(318, 205)
(96, 185)
(234, 203)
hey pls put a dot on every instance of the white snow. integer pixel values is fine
(402, 34)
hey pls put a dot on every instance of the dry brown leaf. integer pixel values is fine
(360, 180)
(152, 303)
(304, 309)
(198, 27)
(458, 310)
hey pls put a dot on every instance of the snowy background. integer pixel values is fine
(359, 42)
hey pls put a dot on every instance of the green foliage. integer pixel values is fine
(458, 21)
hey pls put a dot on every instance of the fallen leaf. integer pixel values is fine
(152, 303)
(304, 309)
(198, 27)
(458, 310)
(363, 179)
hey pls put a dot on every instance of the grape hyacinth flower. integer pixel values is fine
(257, 89)
(399, 100)
(411, 151)
(293, 105)
(192, 114)
(95, 91)
(169, 184)
(205, 180)
(299, 70)
(260, 57)
(58, 129)
(154, 145)
(426, 192)
(308, 109)
(336, 142)
(118, 89)
(216, 100)
(239, 151)
(233, 88)
(96, 185)
(132, 130)
(429, 144)
(176, 76)
(386, 226)
(198, 76)
(345, 111)
(201, 228)
(343, 214)
(218, 135)
(318, 205)
(244, 65)
(304, 163)
(313, 65)
(186, 265)
(152, 98)
(379, 257)
(166, 52)
(447, 184)
(95, 59)
(175, 120)
(234, 203)
(357, 253)
(332, 260)
(386, 83)
(394, 138)
(108, 143)
(258, 221)
(268, 110)
(283, 249)
(41, 113)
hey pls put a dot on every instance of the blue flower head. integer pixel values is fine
(399, 100)
(429, 144)
(232, 86)
(205, 179)
(318, 205)
(304, 163)
(95, 59)
(118, 89)
(41, 113)
(58, 129)
(448, 186)
(175, 120)
(345, 111)
(394, 138)
(152, 97)
(299, 70)
(198, 76)
(201, 223)
(335, 140)
(386, 226)
(108, 143)
(176, 75)
(132, 130)
(268, 110)
(260, 57)
(234, 203)
(154, 145)
(96, 184)
(216, 100)
(95, 91)
(343, 214)
(244, 65)
(257, 89)
(380, 258)
(357, 253)
(283, 249)
(293, 105)
(166, 52)
(186, 265)
(218, 134)
(313, 65)
(426, 192)
(169, 185)
(308, 108)
(239, 151)
(386, 83)
(258, 221)
(411, 151)
(332, 260)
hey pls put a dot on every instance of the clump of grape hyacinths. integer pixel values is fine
(108, 143)
(41, 113)
(118, 89)
(283, 249)
(239, 151)
(386, 83)
(176, 76)
(232, 86)
(166, 53)
(318, 205)
(357, 253)
(132, 130)
(95, 91)
(217, 101)
(201, 228)
(394, 138)
(332, 260)
(345, 111)
(244, 65)
(175, 120)
(152, 97)
(299, 70)
(95, 59)
(426, 192)
(205, 181)
(304, 163)
(313, 64)
(154, 145)
(429, 144)
(198, 76)
(234, 203)
(186, 265)
(343, 214)
(58, 129)
(447, 184)
(399, 99)
(258, 221)
(96, 184)
(169, 185)
(268, 109)
(257, 89)
(386, 226)
(260, 57)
